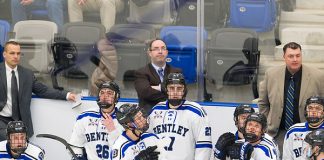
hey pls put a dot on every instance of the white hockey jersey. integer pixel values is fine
(32, 152)
(293, 142)
(187, 127)
(90, 133)
(126, 149)
(265, 150)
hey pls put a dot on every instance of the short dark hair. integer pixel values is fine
(10, 43)
(151, 42)
(292, 45)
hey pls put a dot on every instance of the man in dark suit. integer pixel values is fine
(17, 106)
(148, 79)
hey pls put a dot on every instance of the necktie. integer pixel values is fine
(289, 115)
(160, 72)
(14, 97)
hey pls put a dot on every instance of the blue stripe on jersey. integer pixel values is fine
(125, 147)
(237, 136)
(264, 139)
(147, 135)
(125, 135)
(265, 149)
(192, 108)
(204, 146)
(293, 129)
(126, 144)
(113, 114)
(6, 155)
(95, 114)
(188, 107)
(89, 114)
(160, 107)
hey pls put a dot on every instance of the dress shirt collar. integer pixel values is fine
(157, 67)
(8, 69)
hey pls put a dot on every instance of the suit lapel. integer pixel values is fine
(166, 71)
(155, 75)
(3, 77)
(304, 84)
(281, 83)
(21, 81)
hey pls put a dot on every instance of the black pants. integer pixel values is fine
(3, 127)
(280, 140)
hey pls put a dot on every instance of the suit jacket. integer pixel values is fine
(147, 77)
(28, 84)
(271, 93)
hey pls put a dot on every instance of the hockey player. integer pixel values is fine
(134, 143)
(228, 139)
(184, 122)
(17, 145)
(255, 145)
(228, 143)
(313, 147)
(96, 129)
(314, 113)
(254, 134)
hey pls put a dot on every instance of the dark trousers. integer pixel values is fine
(280, 137)
(3, 127)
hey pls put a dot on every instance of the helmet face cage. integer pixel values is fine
(313, 144)
(132, 117)
(112, 86)
(262, 120)
(314, 110)
(17, 137)
(175, 78)
(239, 110)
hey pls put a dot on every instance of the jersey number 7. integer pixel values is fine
(170, 147)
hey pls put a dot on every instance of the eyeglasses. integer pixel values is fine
(158, 49)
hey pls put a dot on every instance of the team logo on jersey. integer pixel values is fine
(141, 146)
(114, 153)
(170, 116)
(93, 122)
(298, 137)
(135, 150)
(41, 155)
(157, 114)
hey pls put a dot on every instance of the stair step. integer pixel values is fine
(300, 19)
(301, 35)
(310, 4)
(313, 11)
(302, 16)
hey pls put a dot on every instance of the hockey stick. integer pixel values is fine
(63, 141)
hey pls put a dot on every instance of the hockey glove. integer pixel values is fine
(226, 139)
(246, 151)
(233, 151)
(148, 154)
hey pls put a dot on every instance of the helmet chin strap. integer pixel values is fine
(18, 151)
(315, 123)
(250, 137)
(104, 105)
(175, 102)
(137, 135)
